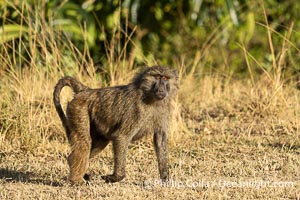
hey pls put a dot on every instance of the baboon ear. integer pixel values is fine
(175, 73)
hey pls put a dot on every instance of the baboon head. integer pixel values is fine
(157, 83)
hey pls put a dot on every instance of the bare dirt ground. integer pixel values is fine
(202, 166)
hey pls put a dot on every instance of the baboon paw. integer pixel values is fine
(112, 178)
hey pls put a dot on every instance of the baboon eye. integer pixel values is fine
(165, 78)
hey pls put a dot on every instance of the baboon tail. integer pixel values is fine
(76, 87)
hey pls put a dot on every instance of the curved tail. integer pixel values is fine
(76, 87)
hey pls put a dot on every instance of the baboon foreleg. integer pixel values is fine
(161, 150)
(120, 147)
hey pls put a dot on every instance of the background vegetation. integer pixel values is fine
(237, 115)
(168, 32)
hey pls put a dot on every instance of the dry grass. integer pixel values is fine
(228, 133)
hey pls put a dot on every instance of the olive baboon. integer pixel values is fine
(119, 114)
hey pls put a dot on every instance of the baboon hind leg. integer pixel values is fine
(81, 143)
(78, 162)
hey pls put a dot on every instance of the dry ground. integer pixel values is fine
(232, 140)
(197, 163)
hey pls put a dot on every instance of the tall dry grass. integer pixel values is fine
(213, 110)
(28, 119)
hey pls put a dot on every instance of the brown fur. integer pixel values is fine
(119, 114)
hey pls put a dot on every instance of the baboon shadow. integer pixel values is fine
(287, 146)
(25, 177)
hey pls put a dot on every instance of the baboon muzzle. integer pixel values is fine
(160, 91)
